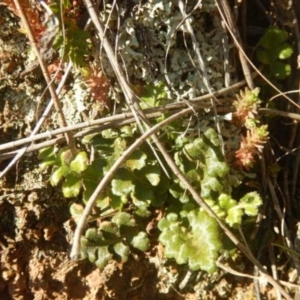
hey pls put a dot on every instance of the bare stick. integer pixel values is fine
(228, 20)
(47, 77)
(150, 113)
(46, 112)
(113, 121)
(219, 4)
(38, 125)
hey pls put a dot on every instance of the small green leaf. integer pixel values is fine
(58, 174)
(110, 134)
(44, 165)
(193, 176)
(120, 146)
(273, 37)
(117, 202)
(76, 210)
(80, 163)
(280, 70)
(194, 150)
(141, 241)
(226, 202)
(142, 211)
(95, 172)
(90, 253)
(177, 192)
(89, 188)
(234, 217)
(264, 56)
(212, 183)
(153, 94)
(153, 174)
(284, 51)
(141, 195)
(104, 146)
(127, 131)
(104, 256)
(124, 219)
(109, 227)
(122, 250)
(123, 182)
(71, 186)
(92, 237)
(136, 161)
(210, 138)
(216, 168)
(250, 203)
(165, 222)
(48, 153)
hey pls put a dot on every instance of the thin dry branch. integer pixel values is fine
(226, 15)
(220, 4)
(54, 93)
(46, 75)
(205, 78)
(37, 127)
(116, 121)
(150, 113)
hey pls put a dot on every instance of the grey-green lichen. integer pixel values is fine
(167, 46)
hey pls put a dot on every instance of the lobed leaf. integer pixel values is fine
(141, 241)
(122, 250)
(71, 186)
(104, 256)
(136, 161)
(273, 37)
(197, 244)
(58, 174)
(123, 183)
(79, 163)
(124, 219)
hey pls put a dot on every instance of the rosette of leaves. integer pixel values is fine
(253, 141)
(188, 234)
(139, 181)
(192, 238)
(204, 166)
(207, 164)
(138, 186)
(113, 240)
(234, 210)
(274, 51)
(65, 169)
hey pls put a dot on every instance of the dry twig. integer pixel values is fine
(223, 6)
(47, 77)
(54, 93)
